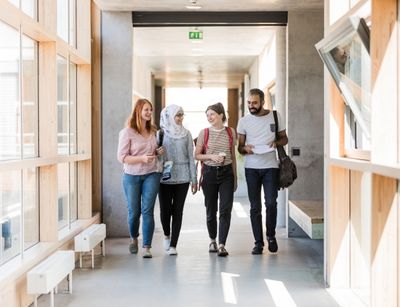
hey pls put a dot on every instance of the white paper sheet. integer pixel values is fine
(262, 149)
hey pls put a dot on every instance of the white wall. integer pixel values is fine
(142, 79)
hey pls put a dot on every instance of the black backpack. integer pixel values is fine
(287, 168)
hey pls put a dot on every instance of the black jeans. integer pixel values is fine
(218, 180)
(172, 200)
(268, 179)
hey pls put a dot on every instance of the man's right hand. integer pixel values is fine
(248, 149)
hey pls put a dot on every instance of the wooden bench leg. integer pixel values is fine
(35, 302)
(103, 247)
(93, 258)
(80, 259)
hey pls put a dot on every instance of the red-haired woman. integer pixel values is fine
(138, 150)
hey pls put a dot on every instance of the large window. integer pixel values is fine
(18, 95)
(62, 106)
(10, 137)
(29, 7)
(345, 52)
(66, 21)
(67, 194)
(66, 107)
(18, 206)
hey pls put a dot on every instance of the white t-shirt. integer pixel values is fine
(260, 131)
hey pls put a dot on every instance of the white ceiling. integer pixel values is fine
(223, 56)
(210, 5)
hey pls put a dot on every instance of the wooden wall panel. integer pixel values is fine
(233, 107)
(84, 189)
(337, 108)
(385, 82)
(96, 107)
(338, 237)
(384, 249)
(84, 27)
(360, 222)
(48, 204)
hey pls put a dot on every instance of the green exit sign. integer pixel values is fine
(196, 35)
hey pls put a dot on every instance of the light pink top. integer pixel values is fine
(132, 143)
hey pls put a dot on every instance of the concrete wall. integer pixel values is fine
(117, 42)
(305, 104)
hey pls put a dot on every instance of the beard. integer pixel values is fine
(255, 111)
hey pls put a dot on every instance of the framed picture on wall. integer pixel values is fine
(345, 53)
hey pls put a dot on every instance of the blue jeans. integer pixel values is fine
(268, 179)
(141, 192)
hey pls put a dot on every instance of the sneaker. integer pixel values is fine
(147, 253)
(272, 245)
(133, 246)
(257, 250)
(213, 247)
(222, 252)
(166, 243)
(172, 251)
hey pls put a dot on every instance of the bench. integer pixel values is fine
(88, 239)
(309, 215)
(45, 277)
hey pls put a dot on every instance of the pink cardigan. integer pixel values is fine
(132, 143)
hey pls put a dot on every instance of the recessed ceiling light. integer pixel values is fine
(193, 7)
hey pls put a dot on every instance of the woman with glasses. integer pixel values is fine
(179, 173)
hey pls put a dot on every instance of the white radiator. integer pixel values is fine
(45, 277)
(88, 239)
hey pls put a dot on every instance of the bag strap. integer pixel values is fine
(281, 150)
(276, 125)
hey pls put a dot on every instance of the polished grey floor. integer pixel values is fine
(292, 277)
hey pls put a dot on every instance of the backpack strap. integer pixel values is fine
(229, 131)
(205, 140)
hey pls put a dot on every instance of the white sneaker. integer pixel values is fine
(166, 243)
(172, 251)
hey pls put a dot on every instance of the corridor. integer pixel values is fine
(194, 278)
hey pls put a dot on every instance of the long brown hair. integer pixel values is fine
(135, 119)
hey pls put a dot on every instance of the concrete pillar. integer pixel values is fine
(305, 106)
(281, 107)
(117, 49)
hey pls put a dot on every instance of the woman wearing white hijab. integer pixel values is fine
(178, 146)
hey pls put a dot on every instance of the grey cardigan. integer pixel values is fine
(180, 151)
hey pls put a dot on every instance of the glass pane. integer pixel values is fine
(73, 108)
(72, 22)
(10, 214)
(31, 207)
(73, 192)
(63, 192)
(29, 97)
(62, 19)
(10, 140)
(62, 106)
(15, 2)
(29, 7)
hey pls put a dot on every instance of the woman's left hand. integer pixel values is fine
(194, 188)
(160, 151)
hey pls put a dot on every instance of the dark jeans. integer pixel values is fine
(218, 180)
(172, 199)
(268, 179)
